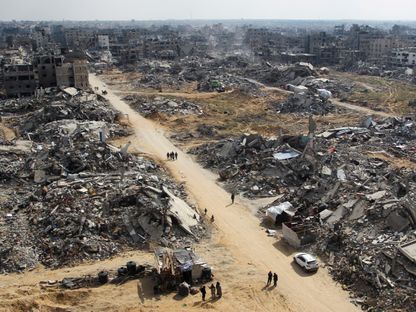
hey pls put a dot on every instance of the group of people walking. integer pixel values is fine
(272, 276)
(172, 156)
(216, 291)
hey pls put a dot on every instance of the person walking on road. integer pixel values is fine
(219, 290)
(212, 287)
(172, 156)
(168, 155)
(275, 279)
(203, 292)
(176, 156)
(212, 219)
(269, 278)
(232, 197)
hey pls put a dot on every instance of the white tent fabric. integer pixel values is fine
(274, 211)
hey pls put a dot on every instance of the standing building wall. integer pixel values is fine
(19, 80)
(80, 74)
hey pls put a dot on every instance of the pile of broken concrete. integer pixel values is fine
(148, 107)
(305, 103)
(351, 199)
(68, 195)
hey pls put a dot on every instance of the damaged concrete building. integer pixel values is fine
(69, 70)
(19, 80)
(45, 66)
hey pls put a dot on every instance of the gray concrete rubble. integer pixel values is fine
(305, 103)
(68, 195)
(210, 75)
(351, 200)
(118, 276)
(150, 106)
(235, 73)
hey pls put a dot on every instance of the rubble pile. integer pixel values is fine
(305, 103)
(66, 195)
(10, 167)
(148, 107)
(340, 88)
(156, 74)
(363, 68)
(223, 82)
(300, 74)
(293, 74)
(251, 165)
(78, 110)
(350, 205)
(75, 130)
(23, 105)
(202, 130)
(235, 73)
(211, 74)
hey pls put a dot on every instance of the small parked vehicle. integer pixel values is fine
(306, 261)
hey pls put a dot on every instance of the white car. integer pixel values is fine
(306, 262)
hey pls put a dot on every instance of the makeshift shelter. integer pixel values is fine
(281, 213)
(180, 265)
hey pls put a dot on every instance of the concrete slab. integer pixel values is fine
(409, 250)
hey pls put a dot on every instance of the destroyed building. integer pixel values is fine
(45, 71)
(45, 66)
(19, 80)
(79, 196)
(337, 197)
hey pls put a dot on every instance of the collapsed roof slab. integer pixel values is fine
(409, 250)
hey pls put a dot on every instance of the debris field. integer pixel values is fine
(69, 195)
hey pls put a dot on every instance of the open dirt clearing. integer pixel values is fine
(234, 113)
(379, 94)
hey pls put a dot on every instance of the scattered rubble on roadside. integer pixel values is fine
(232, 73)
(293, 74)
(248, 163)
(149, 106)
(67, 195)
(363, 68)
(131, 271)
(202, 131)
(348, 205)
(210, 75)
(347, 188)
(305, 103)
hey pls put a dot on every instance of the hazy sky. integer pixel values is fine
(206, 9)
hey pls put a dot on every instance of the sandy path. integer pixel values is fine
(360, 109)
(199, 95)
(205, 95)
(334, 101)
(238, 228)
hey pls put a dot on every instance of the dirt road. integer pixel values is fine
(205, 95)
(238, 229)
(199, 95)
(334, 101)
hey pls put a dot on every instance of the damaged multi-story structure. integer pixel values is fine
(45, 71)
(70, 70)
(19, 79)
(405, 57)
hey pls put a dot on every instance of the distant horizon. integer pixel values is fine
(197, 10)
(210, 19)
